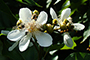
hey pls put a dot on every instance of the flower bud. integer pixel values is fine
(63, 26)
(49, 28)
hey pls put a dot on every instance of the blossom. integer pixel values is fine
(29, 28)
(64, 23)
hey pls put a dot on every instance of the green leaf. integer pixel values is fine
(82, 54)
(54, 47)
(1, 34)
(32, 3)
(1, 48)
(86, 35)
(66, 47)
(76, 38)
(78, 56)
(19, 0)
(29, 54)
(7, 19)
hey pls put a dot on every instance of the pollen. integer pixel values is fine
(32, 26)
(54, 21)
(19, 22)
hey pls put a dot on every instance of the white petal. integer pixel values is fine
(5, 32)
(13, 46)
(53, 13)
(31, 44)
(65, 13)
(15, 35)
(78, 26)
(24, 42)
(25, 14)
(68, 40)
(44, 39)
(56, 27)
(42, 18)
(57, 2)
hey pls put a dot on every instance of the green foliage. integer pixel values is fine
(78, 56)
(80, 13)
(6, 17)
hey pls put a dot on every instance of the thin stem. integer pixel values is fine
(35, 45)
(46, 53)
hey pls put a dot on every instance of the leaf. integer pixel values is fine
(2, 34)
(66, 47)
(76, 38)
(48, 3)
(29, 54)
(1, 48)
(7, 19)
(78, 56)
(54, 47)
(75, 4)
(32, 3)
(13, 55)
(82, 54)
(19, 0)
(86, 35)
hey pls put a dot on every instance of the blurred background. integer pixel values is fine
(9, 10)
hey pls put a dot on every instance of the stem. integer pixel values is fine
(35, 45)
(45, 53)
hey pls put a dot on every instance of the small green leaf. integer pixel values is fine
(7, 19)
(2, 34)
(76, 38)
(82, 54)
(78, 56)
(19, 0)
(86, 35)
(32, 3)
(66, 47)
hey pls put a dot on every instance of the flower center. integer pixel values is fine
(65, 26)
(32, 26)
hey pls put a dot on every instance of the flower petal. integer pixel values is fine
(13, 46)
(24, 42)
(42, 18)
(4, 32)
(65, 13)
(78, 26)
(31, 44)
(43, 39)
(15, 35)
(56, 27)
(53, 13)
(68, 40)
(25, 14)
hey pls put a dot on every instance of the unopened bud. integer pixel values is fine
(49, 28)
(63, 26)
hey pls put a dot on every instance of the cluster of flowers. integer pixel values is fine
(29, 28)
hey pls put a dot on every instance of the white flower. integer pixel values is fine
(30, 30)
(63, 25)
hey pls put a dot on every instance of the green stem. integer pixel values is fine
(46, 53)
(35, 45)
